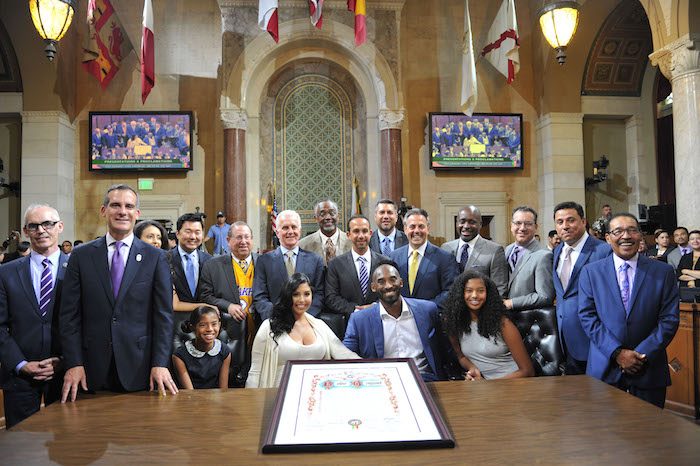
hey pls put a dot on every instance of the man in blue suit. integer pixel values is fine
(186, 263)
(576, 250)
(426, 270)
(628, 305)
(273, 269)
(30, 287)
(394, 327)
(116, 317)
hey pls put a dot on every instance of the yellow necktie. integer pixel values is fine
(412, 271)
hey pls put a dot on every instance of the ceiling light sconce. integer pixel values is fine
(52, 19)
(558, 21)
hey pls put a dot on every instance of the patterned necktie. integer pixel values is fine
(46, 287)
(364, 275)
(244, 266)
(330, 250)
(565, 273)
(412, 270)
(514, 257)
(386, 246)
(116, 271)
(289, 263)
(625, 286)
(189, 274)
(464, 258)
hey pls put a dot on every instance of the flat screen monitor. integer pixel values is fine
(140, 141)
(480, 141)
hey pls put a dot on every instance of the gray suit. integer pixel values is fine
(486, 257)
(343, 291)
(531, 285)
(313, 243)
(217, 283)
(674, 257)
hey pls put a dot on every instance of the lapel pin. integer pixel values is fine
(65, 264)
(138, 257)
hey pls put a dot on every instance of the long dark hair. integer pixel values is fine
(282, 318)
(142, 225)
(190, 324)
(458, 317)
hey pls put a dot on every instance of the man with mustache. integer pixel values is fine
(328, 241)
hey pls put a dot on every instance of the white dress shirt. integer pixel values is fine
(401, 337)
(368, 263)
(37, 268)
(577, 248)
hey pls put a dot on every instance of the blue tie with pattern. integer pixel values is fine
(364, 276)
(386, 248)
(189, 274)
(46, 287)
(625, 286)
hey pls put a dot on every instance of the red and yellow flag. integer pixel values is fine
(359, 7)
(107, 43)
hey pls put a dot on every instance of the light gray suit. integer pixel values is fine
(530, 285)
(486, 257)
(313, 243)
(674, 257)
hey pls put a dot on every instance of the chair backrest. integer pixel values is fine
(336, 322)
(538, 328)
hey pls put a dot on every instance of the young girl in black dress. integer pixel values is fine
(203, 362)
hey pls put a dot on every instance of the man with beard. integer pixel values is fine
(628, 306)
(328, 241)
(396, 327)
(387, 237)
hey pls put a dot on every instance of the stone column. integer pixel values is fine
(390, 123)
(235, 122)
(48, 165)
(680, 63)
(560, 169)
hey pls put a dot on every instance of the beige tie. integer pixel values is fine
(244, 266)
(412, 270)
(566, 267)
(289, 263)
(330, 250)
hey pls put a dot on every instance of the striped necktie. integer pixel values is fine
(514, 258)
(364, 276)
(46, 287)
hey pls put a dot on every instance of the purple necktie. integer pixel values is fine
(46, 287)
(514, 258)
(625, 286)
(117, 269)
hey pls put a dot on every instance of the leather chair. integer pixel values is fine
(538, 328)
(336, 322)
(233, 335)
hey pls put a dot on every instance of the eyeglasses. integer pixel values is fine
(47, 225)
(617, 232)
(523, 224)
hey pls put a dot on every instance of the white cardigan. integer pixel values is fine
(265, 370)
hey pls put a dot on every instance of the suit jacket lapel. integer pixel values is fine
(99, 258)
(229, 274)
(25, 278)
(580, 262)
(352, 271)
(377, 331)
(423, 267)
(614, 286)
(639, 275)
(132, 266)
(473, 253)
(176, 264)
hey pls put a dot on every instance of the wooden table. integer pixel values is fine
(683, 354)
(549, 420)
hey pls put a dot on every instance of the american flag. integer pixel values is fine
(272, 207)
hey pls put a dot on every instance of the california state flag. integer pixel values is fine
(267, 18)
(503, 42)
(148, 58)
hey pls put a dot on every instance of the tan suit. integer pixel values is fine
(316, 243)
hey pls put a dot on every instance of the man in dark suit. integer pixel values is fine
(628, 306)
(387, 237)
(30, 287)
(530, 282)
(347, 278)
(274, 268)
(186, 262)
(426, 270)
(576, 250)
(473, 251)
(396, 327)
(116, 317)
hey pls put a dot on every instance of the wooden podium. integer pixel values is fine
(683, 353)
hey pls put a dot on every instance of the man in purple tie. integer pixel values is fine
(30, 368)
(628, 306)
(116, 319)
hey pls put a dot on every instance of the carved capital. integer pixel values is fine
(679, 57)
(234, 118)
(391, 119)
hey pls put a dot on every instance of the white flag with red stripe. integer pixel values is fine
(316, 12)
(469, 90)
(503, 42)
(267, 17)
(148, 59)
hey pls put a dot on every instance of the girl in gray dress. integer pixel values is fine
(485, 341)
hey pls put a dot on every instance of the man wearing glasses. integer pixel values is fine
(530, 284)
(30, 287)
(628, 306)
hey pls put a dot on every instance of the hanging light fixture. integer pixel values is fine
(558, 21)
(52, 19)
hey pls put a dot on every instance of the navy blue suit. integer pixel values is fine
(135, 330)
(26, 335)
(436, 272)
(648, 328)
(365, 334)
(180, 280)
(271, 276)
(400, 239)
(574, 340)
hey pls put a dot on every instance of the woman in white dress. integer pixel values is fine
(290, 333)
(485, 341)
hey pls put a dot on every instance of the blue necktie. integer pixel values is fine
(625, 286)
(189, 274)
(514, 258)
(364, 276)
(46, 287)
(386, 248)
(465, 257)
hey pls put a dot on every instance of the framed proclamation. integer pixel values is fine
(368, 404)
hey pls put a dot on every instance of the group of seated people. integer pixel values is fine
(121, 139)
(451, 309)
(475, 138)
